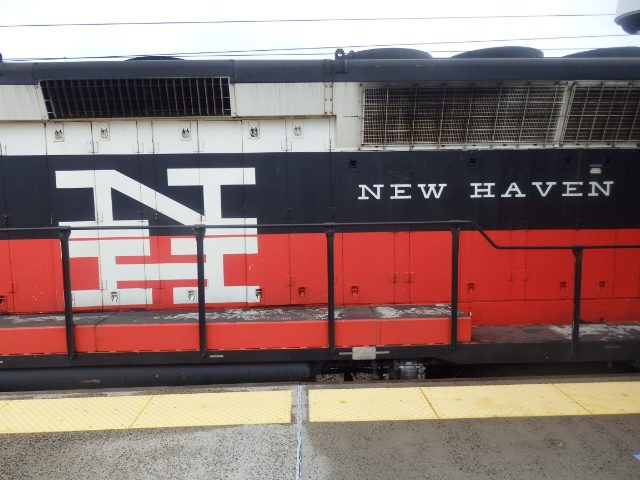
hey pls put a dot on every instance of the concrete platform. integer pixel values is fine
(509, 428)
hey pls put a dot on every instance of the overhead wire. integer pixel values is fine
(317, 50)
(297, 20)
(332, 52)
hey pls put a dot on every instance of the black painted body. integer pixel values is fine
(325, 187)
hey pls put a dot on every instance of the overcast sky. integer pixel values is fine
(428, 35)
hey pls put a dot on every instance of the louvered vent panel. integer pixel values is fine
(144, 97)
(467, 115)
(604, 114)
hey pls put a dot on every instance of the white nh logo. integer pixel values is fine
(107, 245)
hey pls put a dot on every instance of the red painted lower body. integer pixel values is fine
(231, 336)
(497, 287)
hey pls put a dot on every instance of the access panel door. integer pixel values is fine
(429, 273)
(368, 267)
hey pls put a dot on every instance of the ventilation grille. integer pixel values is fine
(604, 114)
(146, 97)
(462, 115)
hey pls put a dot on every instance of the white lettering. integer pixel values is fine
(109, 245)
(571, 189)
(513, 190)
(606, 190)
(432, 189)
(543, 193)
(481, 190)
(215, 249)
(103, 181)
(365, 188)
(400, 191)
(211, 179)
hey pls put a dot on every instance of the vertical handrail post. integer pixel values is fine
(455, 263)
(577, 294)
(65, 234)
(202, 315)
(331, 313)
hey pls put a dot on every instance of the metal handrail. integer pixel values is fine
(330, 228)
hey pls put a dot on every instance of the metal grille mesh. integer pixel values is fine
(604, 114)
(142, 97)
(467, 115)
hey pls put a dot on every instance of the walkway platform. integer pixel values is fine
(232, 329)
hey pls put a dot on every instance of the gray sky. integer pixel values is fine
(166, 39)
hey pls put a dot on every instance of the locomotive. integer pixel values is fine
(383, 209)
